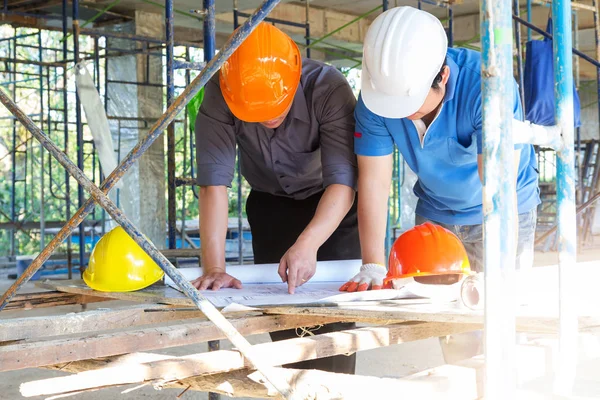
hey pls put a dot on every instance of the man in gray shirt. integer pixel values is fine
(293, 122)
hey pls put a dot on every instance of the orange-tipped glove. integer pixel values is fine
(370, 276)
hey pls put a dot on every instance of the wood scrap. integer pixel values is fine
(157, 293)
(89, 321)
(47, 352)
(29, 301)
(394, 310)
(276, 353)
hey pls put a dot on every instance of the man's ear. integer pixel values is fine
(445, 74)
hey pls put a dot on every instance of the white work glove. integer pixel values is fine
(370, 276)
(528, 133)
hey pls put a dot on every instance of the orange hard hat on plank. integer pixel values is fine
(427, 250)
(260, 79)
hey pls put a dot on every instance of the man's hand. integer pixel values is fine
(370, 276)
(216, 280)
(298, 265)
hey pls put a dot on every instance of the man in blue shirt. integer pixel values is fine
(426, 99)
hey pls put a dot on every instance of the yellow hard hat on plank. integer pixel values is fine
(119, 264)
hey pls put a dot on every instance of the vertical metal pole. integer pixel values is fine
(209, 30)
(97, 70)
(239, 169)
(385, 5)
(499, 208)
(80, 191)
(450, 26)
(42, 214)
(597, 34)
(307, 28)
(575, 24)
(565, 190)
(13, 195)
(66, 138)
(186, 131)
(172, 213)
(517, 28)
(419, 6)
(529, 11)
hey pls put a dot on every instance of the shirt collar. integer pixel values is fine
(451, 84)
(299, 108)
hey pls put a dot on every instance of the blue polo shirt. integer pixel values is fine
(448, 187)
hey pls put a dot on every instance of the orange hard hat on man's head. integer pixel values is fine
(427, 250)
(260, 79)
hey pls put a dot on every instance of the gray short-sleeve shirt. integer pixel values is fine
(312, 149)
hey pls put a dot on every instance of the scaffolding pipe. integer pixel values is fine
(79, 130)
(13, 196)
(587, 58)
(274, 20)
(529, 11)
(158, 127)
(307, 29)
(66, 140)
(520, 76)
(565, 193)
(98, 195)
(578, 193)
(209, 30)
(450, 26)
(42, 188)
(171, 189)
(597, 40)
(499, 208)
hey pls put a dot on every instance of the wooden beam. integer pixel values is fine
(275, 353)
(47, 352)
(157, 293)
(394, 310)
(29, 301)
(315, 384)
(89, 321)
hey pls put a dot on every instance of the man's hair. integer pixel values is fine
(438, 78)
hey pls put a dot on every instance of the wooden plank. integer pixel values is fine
(29, 301)
(275, 353)
(393, 310)
(534, 362)
(314, 384)
(46, 352)
(89, 321)
(157, 293)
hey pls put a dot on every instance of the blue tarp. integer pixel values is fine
(539, 83)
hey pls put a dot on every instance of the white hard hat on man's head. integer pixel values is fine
(403, 52)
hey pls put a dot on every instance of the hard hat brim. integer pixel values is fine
(389, 106)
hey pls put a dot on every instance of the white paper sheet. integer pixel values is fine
(327, 271)
(310, 293)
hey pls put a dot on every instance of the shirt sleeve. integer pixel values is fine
(215, 139)
(336, 128)
(371, 136)
(477, 116)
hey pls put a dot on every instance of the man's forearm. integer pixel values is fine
(214, 212)
(333, 207)
(374, 179)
